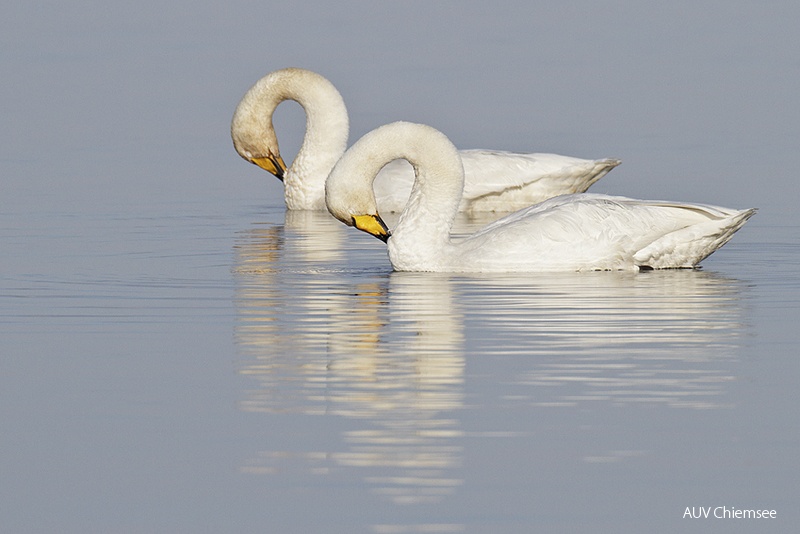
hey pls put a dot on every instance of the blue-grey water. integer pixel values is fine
(179, 354)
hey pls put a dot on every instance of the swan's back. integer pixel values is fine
(515, 181)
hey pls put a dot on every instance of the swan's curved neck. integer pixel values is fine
(324, 142)
(425, 223)
(422, 233)
(325, 139)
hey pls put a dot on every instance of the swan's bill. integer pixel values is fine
(272, 163)
(373, 225)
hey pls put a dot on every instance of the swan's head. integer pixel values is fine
(359, 215)
(252, 132)
(268, 160)
(348, 190)
(256, 142)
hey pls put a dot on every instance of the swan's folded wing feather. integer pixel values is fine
(690, 245)
(496, 180)
(495, 172)
(569, 232)
(589, 231)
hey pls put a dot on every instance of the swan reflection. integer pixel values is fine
(320, 340)
(325, 329)
(654, 337)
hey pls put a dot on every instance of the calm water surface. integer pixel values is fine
(258, 371)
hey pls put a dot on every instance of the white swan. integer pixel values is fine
(495, 181)
(567, 233)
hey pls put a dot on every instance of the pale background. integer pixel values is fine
(109, 103)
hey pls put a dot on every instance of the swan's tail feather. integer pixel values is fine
(601, 168)
(687, 247)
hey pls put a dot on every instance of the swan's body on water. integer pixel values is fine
(495, 180)
(576, 232)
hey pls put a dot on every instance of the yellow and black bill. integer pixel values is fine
(373, 225)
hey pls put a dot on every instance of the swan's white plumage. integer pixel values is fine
(495, 180)
(567, 233)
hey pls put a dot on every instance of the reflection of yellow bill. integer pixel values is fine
(273, 163)
(373, 225)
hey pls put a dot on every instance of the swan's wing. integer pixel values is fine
(625, 213)
(499, 181)
(496, 181)
(587, 231)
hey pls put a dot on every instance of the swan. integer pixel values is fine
(577, 232)
(495, 180)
